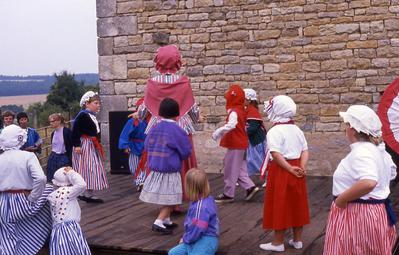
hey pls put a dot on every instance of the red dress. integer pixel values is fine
(286, 202)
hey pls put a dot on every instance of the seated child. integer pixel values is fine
(67, 237)
(201, 226)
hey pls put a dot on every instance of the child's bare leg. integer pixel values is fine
(297, 231)
(278, 237)
(164, 213)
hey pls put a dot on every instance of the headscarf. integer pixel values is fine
(250, 94)
(235, 97)
(60, 179)
(86, 97)
(168, 59)
(12, 137)
(363, 119)
(280, 109)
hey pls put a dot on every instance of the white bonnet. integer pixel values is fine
(13, 137)
(250, 94)
(60, 179)
(363, 119)
(86, 97)
(280, 108)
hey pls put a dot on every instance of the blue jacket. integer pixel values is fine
(133, 136)
(201, 220)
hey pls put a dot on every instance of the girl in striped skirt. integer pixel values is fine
(361, 220)
(88, 155)
(67, 237)
(25, 220)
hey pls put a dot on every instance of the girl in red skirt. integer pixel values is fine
(286, 202)
(361, 219)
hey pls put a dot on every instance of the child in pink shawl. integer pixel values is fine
(167, 83)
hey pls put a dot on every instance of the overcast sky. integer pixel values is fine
(47, 36)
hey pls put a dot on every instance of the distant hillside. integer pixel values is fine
(36, 84)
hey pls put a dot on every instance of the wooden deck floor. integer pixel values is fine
(122, 225)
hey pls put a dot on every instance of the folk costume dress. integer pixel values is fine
(234, 138)
(367, 224)
(167, 146)
(257, 135)
(61, 151)
(286, 202)
(132, 137)
(66, 236)
(167, 83)
(25, 220)
(89, 164)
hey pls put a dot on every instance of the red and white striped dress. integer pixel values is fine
(361, 228)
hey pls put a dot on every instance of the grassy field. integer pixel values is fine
(25, 101)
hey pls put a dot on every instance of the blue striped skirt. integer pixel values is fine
(255, 156)
(56, 161)
(90, 165)
(67, 239)
(24, 226)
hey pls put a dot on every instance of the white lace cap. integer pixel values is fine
(363, 119)
(60, 179)
(250, 94)
(86, 97)
(13, 137)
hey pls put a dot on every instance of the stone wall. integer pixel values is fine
(326, 55)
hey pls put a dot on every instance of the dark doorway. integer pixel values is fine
(119, 160)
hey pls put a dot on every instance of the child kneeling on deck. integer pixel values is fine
(201, 226)
(67, 237)
(167, 146)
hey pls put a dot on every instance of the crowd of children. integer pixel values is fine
(158, 140)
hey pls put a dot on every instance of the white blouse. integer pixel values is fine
(365, 162)
(63, 202)
(21, 170)
(288, 140)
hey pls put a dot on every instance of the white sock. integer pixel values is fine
(167, 221)
(159, 223)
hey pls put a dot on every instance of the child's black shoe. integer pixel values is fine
(163, 231)
(251, 193)
(171, 226)
(222, 198)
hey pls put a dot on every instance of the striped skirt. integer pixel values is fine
(138, 174)
(255, 156)
(359, 229)
(24, 226)
(67, 239)
(90, 166)
(56, 161)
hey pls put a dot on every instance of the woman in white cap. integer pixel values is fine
(286, 202)
(256, 132)
(361, 220)
(25, 221)
(88, 154)
(67, 237)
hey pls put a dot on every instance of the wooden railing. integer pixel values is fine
(45, 134)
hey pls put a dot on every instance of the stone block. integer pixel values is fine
(227, 60)
(362, 44)
(359, 4)
(111, 103)
(203, 3)
(266, 34)
(106, 8)
(312, 66)
(120, 41)
(331, 65)
(380, 62)
(346, 28)
(305, 98)
(237, 69)
(355, 98)
(136, 6)
(125, 25)
(213, 69)
(106, 87)
(113, 67)
(105, 46)
(392, 24)
(271, 68)
(198, 16)
(328, 127)
(342, 54)
(241, 35)
(194, 71)
(157, 18)
(138, 73)
(123, 88)
(311, 31)
(200, 38)
(161, 38)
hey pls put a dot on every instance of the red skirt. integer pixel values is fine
(286, 201)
